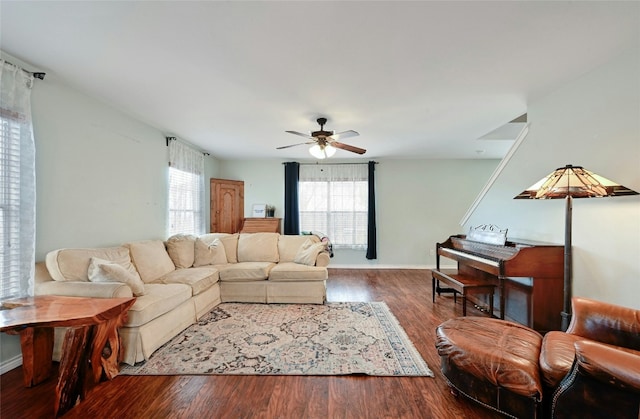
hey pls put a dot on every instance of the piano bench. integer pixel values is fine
(460, 284)
(493, 362)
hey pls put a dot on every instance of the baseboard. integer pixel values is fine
(361, 266)
(366, 266)
(10, 364)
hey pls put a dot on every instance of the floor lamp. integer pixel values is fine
(572, 182)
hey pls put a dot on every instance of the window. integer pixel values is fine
(186, 190)
(333, 200)
(17, 183)
(10, 207)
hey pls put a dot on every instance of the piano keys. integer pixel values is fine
(528, 277)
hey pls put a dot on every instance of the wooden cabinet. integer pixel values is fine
(227, 205)
(261, 225)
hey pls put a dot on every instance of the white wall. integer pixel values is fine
(101, 175)
(593, 122)
(419, 203)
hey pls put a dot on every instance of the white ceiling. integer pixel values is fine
(415, 79)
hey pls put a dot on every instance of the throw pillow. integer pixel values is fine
(229, 241)
(151, 259)
(209, 252)
(181, 248)
(101, 270)
(309, 252)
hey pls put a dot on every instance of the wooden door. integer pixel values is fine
(227, 205)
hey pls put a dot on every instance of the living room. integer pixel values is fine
(92, 157)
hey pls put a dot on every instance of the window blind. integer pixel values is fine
(10, 208)
(333, 199)
(186, 190)
(185, 207)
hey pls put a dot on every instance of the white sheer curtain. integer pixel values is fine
(333, 200)
(17, 182)
(186, 189)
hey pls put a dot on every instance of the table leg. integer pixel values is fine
(105, 351)
(491, 304)
(502, 297)
(87, 353)
(433, 289)
(36, 344)
(73, 369)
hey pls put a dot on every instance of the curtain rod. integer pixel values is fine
(37, 75)
(326, 164)
(183, 142)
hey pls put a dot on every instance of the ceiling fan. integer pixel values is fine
(326, 142)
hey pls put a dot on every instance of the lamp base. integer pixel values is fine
(566, 319)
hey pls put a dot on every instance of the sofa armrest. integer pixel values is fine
(615, 367)
(41, 274)
(323, 259)
(84, 289)
(604, 382)
(604, 322)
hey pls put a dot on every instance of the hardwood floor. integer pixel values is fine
(406, 292)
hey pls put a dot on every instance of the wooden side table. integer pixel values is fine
(91, 347)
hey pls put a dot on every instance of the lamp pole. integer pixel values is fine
(566, 308)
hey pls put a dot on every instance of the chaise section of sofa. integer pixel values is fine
(169, 303)
(177, 281)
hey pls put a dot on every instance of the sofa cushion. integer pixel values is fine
(73, 264)
(151, 259)
(258, 247)
(245, 271)
(289, 245)
(101, 270)
(229, 241)
(290, 271)
(199, 279)
(181, 249)
(499, 353)
(308, 253)
(159, 299)
(209, 251)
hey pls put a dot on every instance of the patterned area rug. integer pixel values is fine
(290, 339)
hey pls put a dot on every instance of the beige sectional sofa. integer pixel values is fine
(179, 280)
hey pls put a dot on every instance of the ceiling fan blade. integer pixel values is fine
(344, 134)
(293, 145)
(348, 147)
(300, 134)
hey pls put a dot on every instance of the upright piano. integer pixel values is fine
(528, 277)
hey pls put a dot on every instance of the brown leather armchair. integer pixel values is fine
(593, 369)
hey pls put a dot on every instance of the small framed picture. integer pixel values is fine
(259, 210)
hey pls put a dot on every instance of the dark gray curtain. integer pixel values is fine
(291, 209)
(372, 244)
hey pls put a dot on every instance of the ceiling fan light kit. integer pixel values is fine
(325, 142)
(322, 152)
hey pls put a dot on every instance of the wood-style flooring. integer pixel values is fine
(406, 292)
